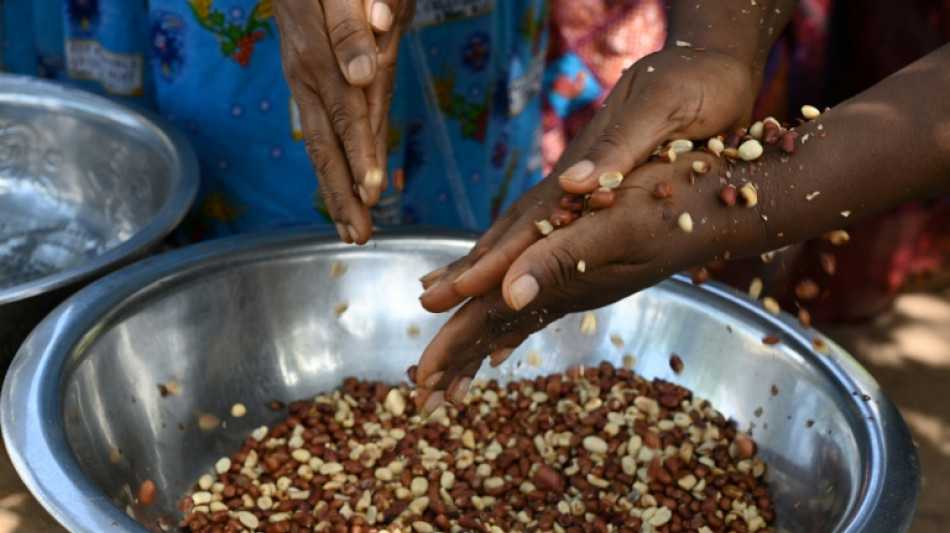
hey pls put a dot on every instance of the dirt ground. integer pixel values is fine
(907, 350)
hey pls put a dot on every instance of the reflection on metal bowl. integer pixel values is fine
(256, 318)
(86, 185)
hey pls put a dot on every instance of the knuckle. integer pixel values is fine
(298, 61)
(324, 168)
(347, 123)
(334, 199)
(500, 322)
(341, 115)
(562, 266)
(314, 144)
(611, 141)
(327, 169)
(344, 124)
(346, 32)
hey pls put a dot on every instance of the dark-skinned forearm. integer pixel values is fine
(734, 27)
(884, 147)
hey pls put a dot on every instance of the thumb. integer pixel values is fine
(559, 271)
(352, 40)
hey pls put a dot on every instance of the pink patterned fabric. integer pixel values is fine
(592, 42)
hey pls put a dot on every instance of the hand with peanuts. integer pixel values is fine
(738, 198)
(339, 58)
(673, 94)
(703, 82)
(597, 259)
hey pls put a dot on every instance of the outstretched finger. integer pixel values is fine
(481, 327)
(348, 112)
(353, 219)
(484, 268)
(379, 95)
(540, 286)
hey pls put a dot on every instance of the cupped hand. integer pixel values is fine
(341, 76)
(634, 244)
(676, 93)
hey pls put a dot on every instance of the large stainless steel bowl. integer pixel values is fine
(252, 320)
(86, 185)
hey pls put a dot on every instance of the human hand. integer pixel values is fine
(341, 77)
(635, 243)
(676, 93)
(687, 94)
(796, 190)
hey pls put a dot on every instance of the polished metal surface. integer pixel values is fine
(86, 185)
(253, 319)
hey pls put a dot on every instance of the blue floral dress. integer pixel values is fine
(465, 127)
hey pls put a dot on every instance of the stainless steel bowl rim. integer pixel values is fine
(29, 90)
(30, 399)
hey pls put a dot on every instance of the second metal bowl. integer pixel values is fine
(86, 186)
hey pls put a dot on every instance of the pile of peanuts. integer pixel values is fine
(596, 449)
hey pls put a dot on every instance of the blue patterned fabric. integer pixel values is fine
(465, 126)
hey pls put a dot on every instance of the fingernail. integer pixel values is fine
(462, 276)
(353, 233)
(480, 252)
(433, 380)
(381, 16)
(432, 403)
(457, 394)
(425, 294)
(374, 178)
(500, 356)
(522, 291)
(437, 273)
(578, 171)
(360, 68)
(364, 196)
(341, 229)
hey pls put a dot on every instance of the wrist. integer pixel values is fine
(743, 31)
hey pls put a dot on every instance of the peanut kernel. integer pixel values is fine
(749, 195)
(595, 444)
(681, 146)
(755, 288)
(685, 222)
(588, 323)
(810, 112)
(544, 226)
(610, 180)
(238, 410)
(715, 145)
